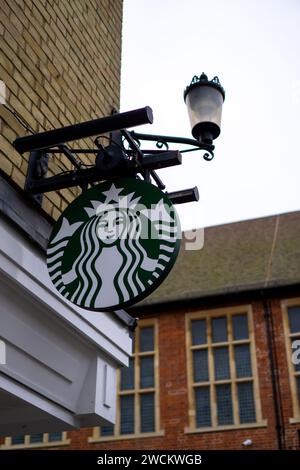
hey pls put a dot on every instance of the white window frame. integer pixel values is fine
(209, 314)
(285, 304)
(46, 443)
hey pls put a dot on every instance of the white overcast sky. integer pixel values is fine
(254, 48)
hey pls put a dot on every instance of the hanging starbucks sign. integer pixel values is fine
(114, 245)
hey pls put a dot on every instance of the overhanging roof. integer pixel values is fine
(57, 359)
(16, 206)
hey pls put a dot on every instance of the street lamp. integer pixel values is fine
(204, 99)
(124, 156)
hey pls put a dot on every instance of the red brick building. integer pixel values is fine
(213, 364)
(214, 348)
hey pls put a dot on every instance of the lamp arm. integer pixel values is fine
(165, 140)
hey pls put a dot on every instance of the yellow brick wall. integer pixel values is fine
(60, 61)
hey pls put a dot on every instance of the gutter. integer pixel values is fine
(218, 298)
(277, 399)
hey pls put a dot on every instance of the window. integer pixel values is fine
(291, 317)
(222, 375)
(37, 440)
(138, 390)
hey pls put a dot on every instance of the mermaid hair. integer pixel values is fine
(127, 282)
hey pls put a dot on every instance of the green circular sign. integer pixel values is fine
(114, 244)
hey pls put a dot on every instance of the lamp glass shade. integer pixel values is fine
(204, 105)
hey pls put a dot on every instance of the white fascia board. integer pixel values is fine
(32, 413)
(26, 267)
(61, 361)
(26, 418)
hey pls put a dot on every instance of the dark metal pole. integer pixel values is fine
(274, 372)
(91, 128)
(183, 196)
(94, 174)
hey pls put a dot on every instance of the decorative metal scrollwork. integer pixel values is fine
(162, 143)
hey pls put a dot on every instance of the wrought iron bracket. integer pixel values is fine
(86, 176)
(163, 141)
(37, 170)
(123, 157)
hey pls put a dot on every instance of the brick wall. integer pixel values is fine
(173, 393)
(60, 62)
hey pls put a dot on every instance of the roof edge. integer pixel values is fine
(278, 290)
(240, 221)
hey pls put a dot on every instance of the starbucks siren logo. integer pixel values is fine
(113, 245)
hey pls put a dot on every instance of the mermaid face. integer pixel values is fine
(111, 226)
